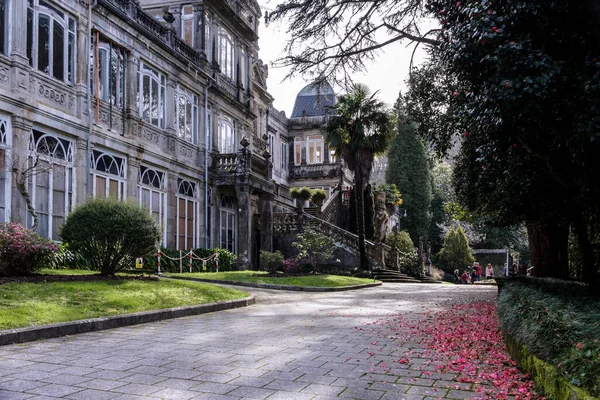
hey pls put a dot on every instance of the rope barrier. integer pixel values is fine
(192, 257)
(159, 261)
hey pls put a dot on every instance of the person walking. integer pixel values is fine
(489, 271)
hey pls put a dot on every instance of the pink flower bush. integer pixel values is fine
(22, 251)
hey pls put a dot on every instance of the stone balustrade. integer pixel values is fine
(315, 170)
(225, 162)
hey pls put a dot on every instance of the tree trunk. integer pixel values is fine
(548, 247)
(589, 269)
(360, 219)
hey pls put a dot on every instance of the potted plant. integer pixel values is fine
(318, 196)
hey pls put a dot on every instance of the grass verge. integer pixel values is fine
(31, 304)
(263, 277)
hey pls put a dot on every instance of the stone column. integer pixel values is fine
(83, 184)
(244, 247)
(133, 170)
(171, 210)
(266, 222)
(303, 155)
(81, 68)
(131, 93)
(21, 129)
(199, 31)
(170, 110)
(18, 47)
(176, 24)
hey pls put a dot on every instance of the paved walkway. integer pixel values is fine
(289, 345)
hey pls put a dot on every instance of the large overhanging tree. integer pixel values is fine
(519, 82)
(332, 39)
(359, 129)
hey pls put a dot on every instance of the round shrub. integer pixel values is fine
(110, 233)
(270, 261)
(23, 251)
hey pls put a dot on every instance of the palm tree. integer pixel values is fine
(360, 129)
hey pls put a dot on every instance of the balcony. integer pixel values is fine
(130, 11)
(329, 170)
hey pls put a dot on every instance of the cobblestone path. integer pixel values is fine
(289, 345)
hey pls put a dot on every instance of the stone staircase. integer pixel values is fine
(295, 222)
(391, 276)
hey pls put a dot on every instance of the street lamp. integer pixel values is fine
(401, 214)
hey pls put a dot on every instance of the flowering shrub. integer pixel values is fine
(23, 251)
(292, 266)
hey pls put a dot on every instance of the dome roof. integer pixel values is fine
(314, 99)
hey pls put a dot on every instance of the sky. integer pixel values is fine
(387, 74)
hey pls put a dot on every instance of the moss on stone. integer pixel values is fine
(545, 375)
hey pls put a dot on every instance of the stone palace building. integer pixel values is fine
(163, 103)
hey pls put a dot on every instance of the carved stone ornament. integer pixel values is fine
(4, 74)
(52, 94)
(186, 151)
(151, 136)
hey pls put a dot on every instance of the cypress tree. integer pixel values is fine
(456, 252)
(408, 169)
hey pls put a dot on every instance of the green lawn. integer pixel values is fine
(30, 304)
(261, 277)
(51, 271)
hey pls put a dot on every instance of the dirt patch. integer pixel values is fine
(42, 278)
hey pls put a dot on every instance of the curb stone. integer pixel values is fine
(279, 287)
(30, 334)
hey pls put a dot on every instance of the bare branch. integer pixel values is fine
(328, 37)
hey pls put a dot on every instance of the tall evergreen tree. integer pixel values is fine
(456, 252)
(408, 169)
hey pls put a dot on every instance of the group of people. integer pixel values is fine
(474, 274)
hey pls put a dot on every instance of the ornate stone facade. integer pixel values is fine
(177, 112)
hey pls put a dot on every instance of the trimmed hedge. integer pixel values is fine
(556, 321)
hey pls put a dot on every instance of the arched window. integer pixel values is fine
(51, 181)
(51, 40)
(226, 135)
(188, 208)
(111, 74)
(153, 197)
(186, 115)
(226, 54)
(107, 175)
(151, 95)
(227, 220)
